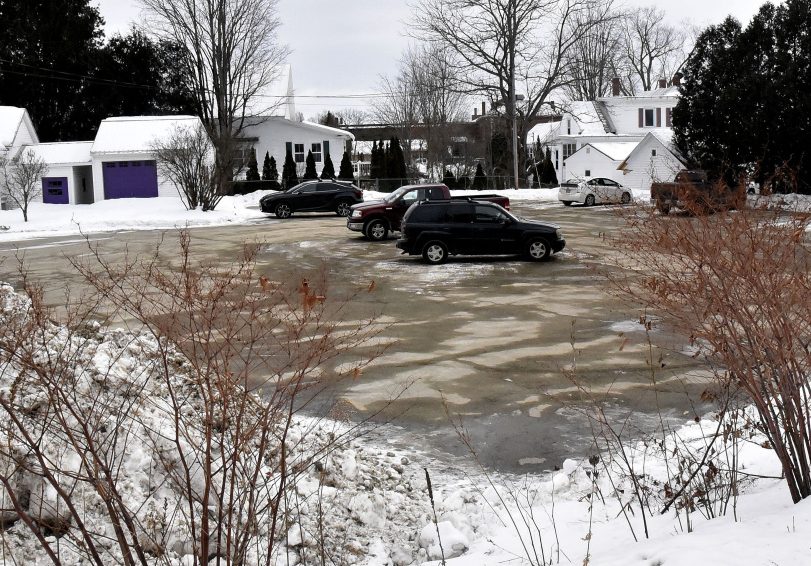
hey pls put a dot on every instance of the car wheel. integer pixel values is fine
(626, 198)
(589, 200)
(283, 210)
(435, 253)
(344, 208)
(538, 249)
(566, 202)
(376, 230)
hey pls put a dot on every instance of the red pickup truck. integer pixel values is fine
(376, 218)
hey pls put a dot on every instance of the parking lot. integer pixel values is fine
(501, 340)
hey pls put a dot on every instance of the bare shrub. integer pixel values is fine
(737, 284)
(186, 158)
(138, 447)
(21, 179)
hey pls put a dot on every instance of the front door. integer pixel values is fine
(55, 190)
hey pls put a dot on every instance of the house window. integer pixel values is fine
(649, 118)
(588, 172)
(317, 152)
(568, 128)
(653, 153)
(241, 156)
(568, 149)
(298, 152)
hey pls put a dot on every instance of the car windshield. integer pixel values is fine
(396, 194)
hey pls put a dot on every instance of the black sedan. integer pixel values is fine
(313, 196)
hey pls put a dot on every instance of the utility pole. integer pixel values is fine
(513, 100)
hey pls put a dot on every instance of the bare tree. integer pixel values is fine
(399, 104)
(232, 55)
(653, 49)
(21, 179)
(596, 57)
(186, 158)
(507, 46)
(425, 94)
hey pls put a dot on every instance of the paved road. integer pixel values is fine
(493, 336)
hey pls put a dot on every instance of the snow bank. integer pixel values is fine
(125, 214)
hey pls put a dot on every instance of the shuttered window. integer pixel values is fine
(669, 118)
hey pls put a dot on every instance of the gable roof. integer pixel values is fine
(11, 118)
(660, 136)
(616, 151)
(137, 134)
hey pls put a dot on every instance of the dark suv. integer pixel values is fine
(437, 229)
(313, 196)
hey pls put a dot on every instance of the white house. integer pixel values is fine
(278, 136)
(16, 131)
(599, 159)
(278, 131)
(653, 159)
(594, 135)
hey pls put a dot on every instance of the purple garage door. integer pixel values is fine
(130, 179)
(55, 190)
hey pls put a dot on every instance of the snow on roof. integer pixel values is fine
(543, 133)
(587, 118)
(10, 118)
(63, 152)
(137, 134)
(329, 130)
(616, 151)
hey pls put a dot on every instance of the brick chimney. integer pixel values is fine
(615, 86)
(483, 108)
(475, 113)
(662, 83)
(677, 79)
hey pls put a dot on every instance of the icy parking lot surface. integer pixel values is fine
(505, 344)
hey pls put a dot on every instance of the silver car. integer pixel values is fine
(591, 191)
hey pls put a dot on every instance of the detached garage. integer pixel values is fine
(123, 162)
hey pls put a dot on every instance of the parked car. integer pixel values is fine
(597, 190)
(694, 192)
(376, 218)
(437, 229)
(313, 196)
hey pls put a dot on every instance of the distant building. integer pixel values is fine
(625, 138)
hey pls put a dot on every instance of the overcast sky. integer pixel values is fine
(342, 47)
